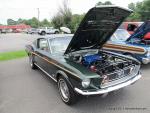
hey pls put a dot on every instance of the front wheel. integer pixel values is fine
(43, 33)
(67, 93)
(31, 62)
(56, 32)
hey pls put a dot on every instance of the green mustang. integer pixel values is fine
(77, 62)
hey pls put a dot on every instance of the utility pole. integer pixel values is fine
(38, 16)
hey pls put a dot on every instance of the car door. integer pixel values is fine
(43, 58)
(42, 53)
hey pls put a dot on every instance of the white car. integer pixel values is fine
(47, 30)
(32, 31)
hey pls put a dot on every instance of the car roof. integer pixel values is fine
(52, 36)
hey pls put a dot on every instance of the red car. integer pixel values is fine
(130, 26)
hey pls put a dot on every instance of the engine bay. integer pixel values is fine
(101, 63)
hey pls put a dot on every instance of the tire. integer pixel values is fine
(31, 62)
(56, 32)
(64, 87)
(43, 33)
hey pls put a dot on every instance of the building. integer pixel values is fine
(14, 28)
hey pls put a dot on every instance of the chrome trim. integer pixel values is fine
(56, 65)
(121, 79)
(109, 89)
(45, 72)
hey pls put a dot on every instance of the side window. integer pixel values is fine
(43, 45)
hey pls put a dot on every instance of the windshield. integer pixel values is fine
(59, 45)
(120, 35)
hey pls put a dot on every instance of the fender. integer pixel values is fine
(59, 72)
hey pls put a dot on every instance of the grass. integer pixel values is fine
(12, 55)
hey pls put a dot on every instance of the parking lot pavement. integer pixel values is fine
(15, 41)
(23, 90)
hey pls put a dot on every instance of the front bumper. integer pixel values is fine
(109, 89)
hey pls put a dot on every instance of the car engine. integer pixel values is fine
(102, 63)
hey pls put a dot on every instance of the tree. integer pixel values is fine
(132, 6)
(105, 3)
(32, 22)
(45, 23)
(19, 21)
(57, 21)
(141, 10)
(66, 12)
(63, 17)
(76, 19)
(11, 22)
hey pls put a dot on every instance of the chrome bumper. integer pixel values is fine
(109, 89)
(145, 60)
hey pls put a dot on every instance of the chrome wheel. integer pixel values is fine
(64, 90)
(31, 61)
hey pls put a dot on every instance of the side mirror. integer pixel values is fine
(147, 36)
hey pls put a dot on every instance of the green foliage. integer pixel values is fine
(33, 22)
(105, 3)
(45, 23)
(134, 17)
(63, 17)
(12, 55)
(76, 19)
(57, 21)
(141, 10)
(11, 22)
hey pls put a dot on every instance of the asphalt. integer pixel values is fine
(23, 90)
(15, 41)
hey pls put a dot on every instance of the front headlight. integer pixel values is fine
(134, 70)
(86, 83)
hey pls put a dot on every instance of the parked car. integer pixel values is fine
(47, 30)
(65, 30)
(3, 31)
(17, 31)
(77, 62)
(32, 31)
(120, 35)
(123, 43)
(130, 26)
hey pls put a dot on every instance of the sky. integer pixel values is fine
(27, 9)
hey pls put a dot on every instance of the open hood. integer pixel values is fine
(97, 27)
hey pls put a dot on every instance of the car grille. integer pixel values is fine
(119, 74)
